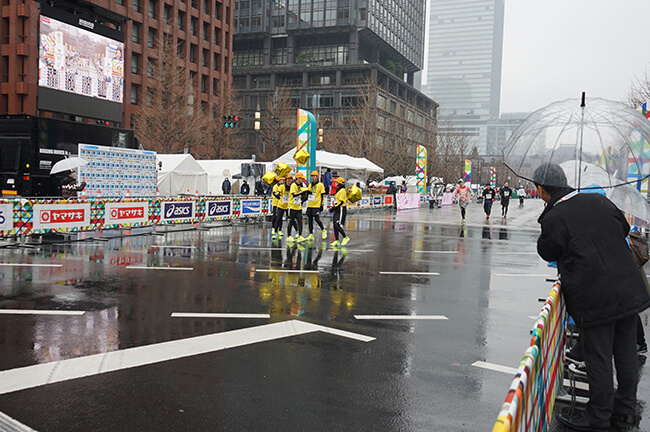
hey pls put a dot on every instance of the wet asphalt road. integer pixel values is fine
(318, 353)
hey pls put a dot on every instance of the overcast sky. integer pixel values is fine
(555, 49)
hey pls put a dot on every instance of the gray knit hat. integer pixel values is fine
(550, 174)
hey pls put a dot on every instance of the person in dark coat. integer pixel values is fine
(327, 180)
(505, 193)
(603, 290)
(226, 187)
(488, 199)
(392, 190)
(245, 189)
(70, 187)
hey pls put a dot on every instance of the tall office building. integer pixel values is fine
(77, 59)
(324, 51)
(463, 65)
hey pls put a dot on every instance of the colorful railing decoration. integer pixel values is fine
(467, 175)
(421, 169)
(40, 216)
(530, 400)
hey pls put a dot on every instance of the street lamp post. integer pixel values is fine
(276, 123)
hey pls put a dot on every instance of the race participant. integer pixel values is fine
(315, 205)
(340, 212)
(295, 207)
(488, 199)
(464, 194)
(505, 193)
(278, 212)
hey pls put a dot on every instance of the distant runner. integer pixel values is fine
(463, 193)
(505, 193)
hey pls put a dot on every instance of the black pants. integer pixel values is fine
(339, 220)
(487, 207)
(278, 214)
(462, 212)
(504, 207)
(599, 344)
(295, 220)
(521, 201)
(313, 214)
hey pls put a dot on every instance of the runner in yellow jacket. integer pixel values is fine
(315, 205)
(278, 212)
(340, 212)
(295, 208)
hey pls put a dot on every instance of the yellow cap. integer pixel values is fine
(314, 173)
(300, 175)
(340, 180)
(288, 176)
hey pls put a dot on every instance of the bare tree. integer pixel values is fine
(639, 92)
(282, 114)
(447, 158)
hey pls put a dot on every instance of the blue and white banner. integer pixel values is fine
(252, 207)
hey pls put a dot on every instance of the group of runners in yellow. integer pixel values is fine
(288, 198)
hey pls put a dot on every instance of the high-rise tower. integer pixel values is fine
(463, 65)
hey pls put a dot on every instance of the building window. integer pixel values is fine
(152, 8)
(135, 32)
(292, 81)
(150, 67)
(134, 94)
(216, 36)
(206, 7)
(216, 61)
(206, 31)
(351, 100)
(322, 79)
(261, 82)
(217, 9)
(205, 55)
(239, 83)
(181, 18)
(136, 5)
(166, 13)
(317, 100)
(193, 53)
(195, 4)
(150, 96)
(193, 22)
(119, 2)
(215, 86)
(180, 52)
(151, 38)
(134, 63)
(204, 84)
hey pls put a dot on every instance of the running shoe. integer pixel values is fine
(290, 239)
(301, 239)
(578, 370)
(345, 241)
(274, 236)
(324, 234)
(280, 235)
(335, 243)
(310, 236)
(574, 355)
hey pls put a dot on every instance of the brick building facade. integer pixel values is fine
(201, 28)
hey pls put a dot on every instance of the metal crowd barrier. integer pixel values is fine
(41, 216)
(531, 398)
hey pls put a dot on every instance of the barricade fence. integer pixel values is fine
(41, 216)
(531, 397)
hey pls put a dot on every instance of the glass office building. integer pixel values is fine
(463, 65)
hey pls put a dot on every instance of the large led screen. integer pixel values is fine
(80, 62)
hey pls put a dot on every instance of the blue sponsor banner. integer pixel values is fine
(376, 201)
(174, 210)
(365, 202)
(217, 209)
(251, 207)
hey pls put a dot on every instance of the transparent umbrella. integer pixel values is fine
(68, 164)
(595, 179)
(606, 134)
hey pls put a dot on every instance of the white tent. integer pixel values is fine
(346, 166)
(180, 174)
(219, 169)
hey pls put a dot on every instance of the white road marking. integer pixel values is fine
(513, 371)
(435, 252)
(411, 273)
(285, 271)
(29, 265)
(401, 317)
(47, 373)
(11, 424)
(217, 315)
(158, 268)
(351, 250)
(39, 312)
(172, 246)
(522, 275)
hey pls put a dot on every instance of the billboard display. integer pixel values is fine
(74, 61)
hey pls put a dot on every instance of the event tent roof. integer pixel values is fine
(180, 173)
(334, 161)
